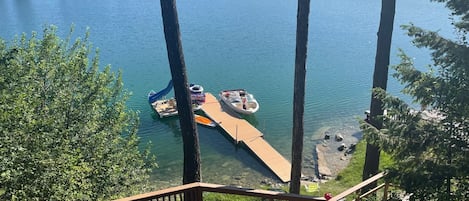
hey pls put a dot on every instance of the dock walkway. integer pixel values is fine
(242, 131)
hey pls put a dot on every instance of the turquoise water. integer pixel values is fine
(237, 44)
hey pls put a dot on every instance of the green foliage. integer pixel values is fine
(352, 174)
(459, 8)
(65, 132)
(228, 197)
(431, 144)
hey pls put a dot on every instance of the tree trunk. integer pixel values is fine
(184, 106)
(299, 94)
(380, 79)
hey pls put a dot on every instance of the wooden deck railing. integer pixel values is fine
(195, 192)
(356, 189)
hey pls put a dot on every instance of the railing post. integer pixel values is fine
(236, 134)
(198, 194)
(356, 189)
(385, 193)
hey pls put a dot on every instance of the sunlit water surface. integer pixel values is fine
(237, 44)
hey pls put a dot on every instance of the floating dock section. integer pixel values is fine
(242, 131)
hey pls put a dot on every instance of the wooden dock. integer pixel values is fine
(242, 131)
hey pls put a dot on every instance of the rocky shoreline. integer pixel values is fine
(330, 151)
(323, 160)
(334, 151)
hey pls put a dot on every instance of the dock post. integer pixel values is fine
(250, 137)
(236, 134)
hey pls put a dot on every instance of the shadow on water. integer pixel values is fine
(215, 140)
(173, 124)
(219, 141)
(170, 122)
(222, 143)
(239, 150)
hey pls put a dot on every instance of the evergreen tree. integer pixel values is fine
(299, 94)
(177, 65)
(380, 80)
(430, 144)
(65, 131)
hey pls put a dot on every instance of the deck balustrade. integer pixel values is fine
(196, 191)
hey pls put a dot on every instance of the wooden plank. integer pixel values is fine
(358, 186)
(239, 129)
(200, 188)
(161, 193)
(242, 131)
(271, 158)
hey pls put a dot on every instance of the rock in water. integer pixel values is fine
(339, 137)
(342, 147)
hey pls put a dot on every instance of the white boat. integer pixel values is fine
(240, 101)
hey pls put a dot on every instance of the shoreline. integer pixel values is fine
(334, 153)
(325, 160)
(322, 159)
(333, 161)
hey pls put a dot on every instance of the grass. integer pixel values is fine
(352, 174)
(227, 197)
(347, 178)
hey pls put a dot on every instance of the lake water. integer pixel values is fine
(237, 44)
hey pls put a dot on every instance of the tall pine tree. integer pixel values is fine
(380, 80)
(430, 143)
(299, 93)
(177, 65)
